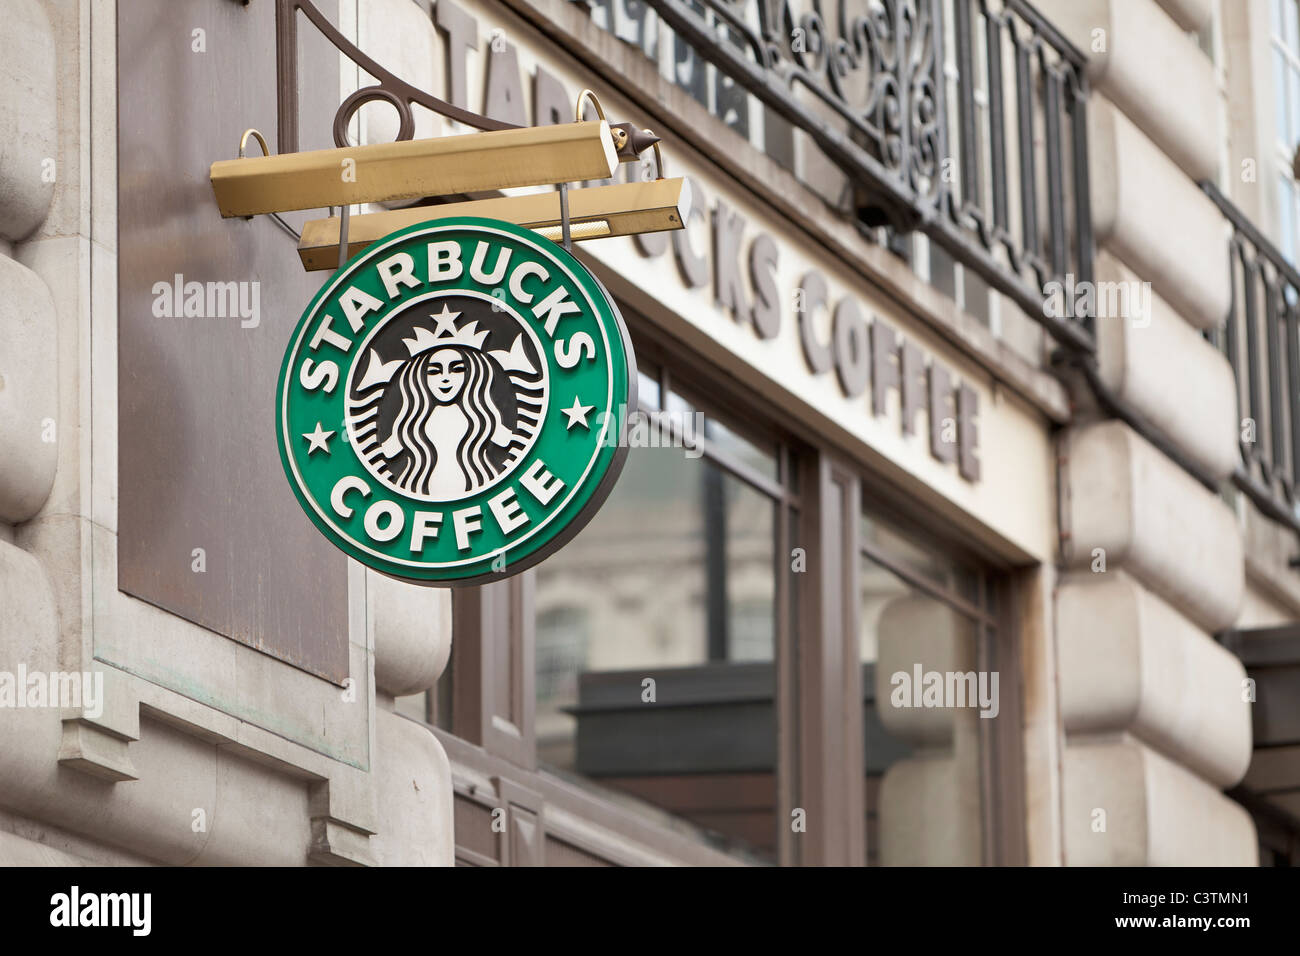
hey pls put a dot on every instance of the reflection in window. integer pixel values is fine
(562, 638)
(726, 441)
(656, 639)
(647, 389)
(924, 691)
(918, 558)
(1285, 42)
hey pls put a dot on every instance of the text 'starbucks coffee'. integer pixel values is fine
(443, 402)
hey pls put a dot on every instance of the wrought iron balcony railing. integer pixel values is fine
(966, 121)
(998, 178)
(1261, 339)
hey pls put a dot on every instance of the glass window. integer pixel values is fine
(563, 636)
(1293, 103)
(1287, 215)
(741, 449)
(758, 456)
(879, 536)
(1285, 41)
(926, 689)
(1289, 29)
(1279, 98)
(656, 637)
(647, 389)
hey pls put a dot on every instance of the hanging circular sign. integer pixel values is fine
(451, 404)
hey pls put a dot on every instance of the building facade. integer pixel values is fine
(959, 522)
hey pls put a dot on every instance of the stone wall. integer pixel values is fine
(156, 775)
(1153, 709)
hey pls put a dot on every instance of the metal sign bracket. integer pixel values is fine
(498, 157)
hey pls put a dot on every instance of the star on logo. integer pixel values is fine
(317, 439)
(577, 414)
(446, 322)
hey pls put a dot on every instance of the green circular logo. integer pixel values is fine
(451, 404)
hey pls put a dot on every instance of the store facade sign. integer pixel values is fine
(837, 338)
(446, 402)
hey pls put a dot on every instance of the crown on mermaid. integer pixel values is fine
(445, 333)
(379, 372)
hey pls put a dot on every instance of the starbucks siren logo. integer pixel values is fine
(444, 401)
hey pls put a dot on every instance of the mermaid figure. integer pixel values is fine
(448, 422)
(450, 436)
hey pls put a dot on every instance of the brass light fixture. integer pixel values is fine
(411, 169)
(622, 209)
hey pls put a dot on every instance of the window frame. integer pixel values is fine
(820, 763)
(1003, 805)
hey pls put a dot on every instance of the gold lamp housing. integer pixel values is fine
(596, 212)
(413, 169)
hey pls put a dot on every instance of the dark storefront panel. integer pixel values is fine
(198, 466)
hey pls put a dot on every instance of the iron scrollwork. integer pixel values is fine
(871, 95)
(878, 75)
(1261, 340)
